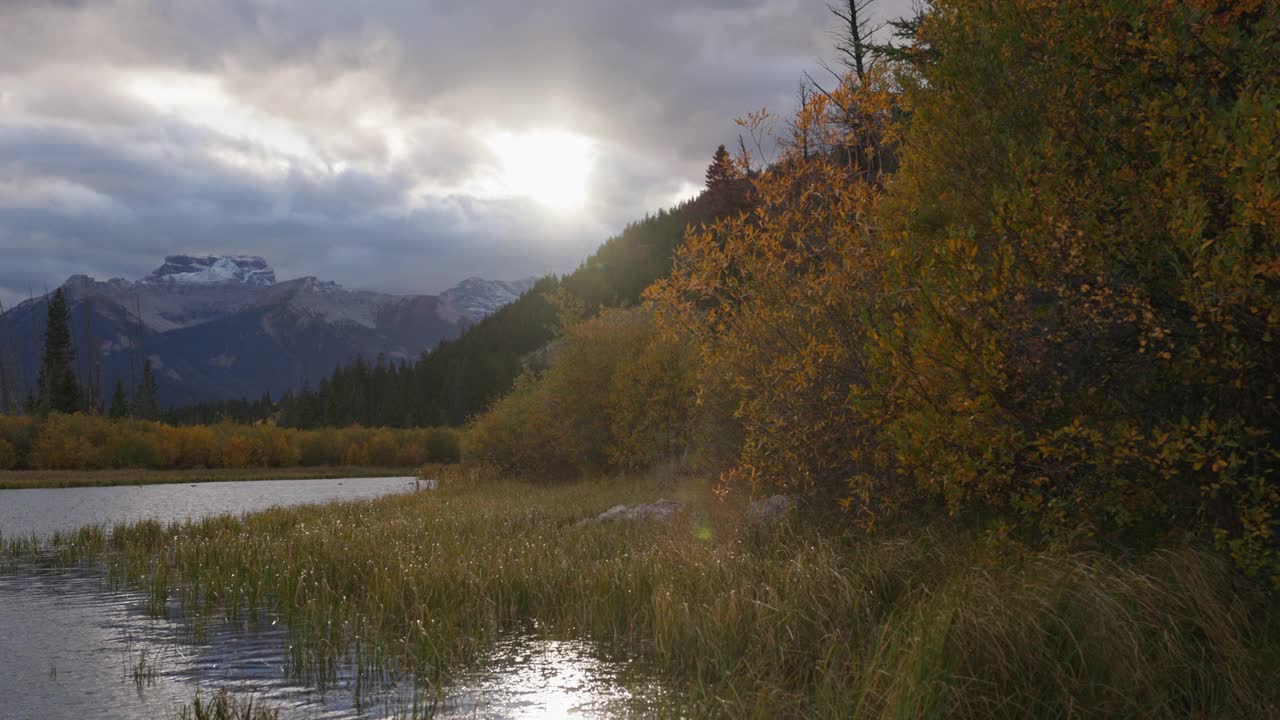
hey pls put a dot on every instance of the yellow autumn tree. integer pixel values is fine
(779, 300)
(1061, 309)
(1084, 230)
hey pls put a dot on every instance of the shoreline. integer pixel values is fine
(34, 479)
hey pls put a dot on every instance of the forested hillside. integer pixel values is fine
(461, 377)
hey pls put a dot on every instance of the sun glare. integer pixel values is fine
(549, 166)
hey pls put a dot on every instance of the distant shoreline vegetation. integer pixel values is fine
(85, 442)
(32, 479)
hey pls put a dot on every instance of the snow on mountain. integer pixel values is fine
(244, 269)
(222, 327)
(476, 298)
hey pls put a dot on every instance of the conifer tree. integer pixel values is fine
(59, 390)
(119, 402)
(721, 170)
(144, 403)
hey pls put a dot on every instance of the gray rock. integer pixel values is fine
(771, 509)
(660, 510)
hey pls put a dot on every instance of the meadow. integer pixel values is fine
(738, 618)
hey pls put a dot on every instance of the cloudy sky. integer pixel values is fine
(395, 145)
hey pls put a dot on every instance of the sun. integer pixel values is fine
(550, 167)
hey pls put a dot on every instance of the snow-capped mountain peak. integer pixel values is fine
(210, 270)
(222, 327)
(475, 298)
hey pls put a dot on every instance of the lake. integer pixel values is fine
(71, 648)
(45, 510)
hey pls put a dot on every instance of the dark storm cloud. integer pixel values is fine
(338, 139)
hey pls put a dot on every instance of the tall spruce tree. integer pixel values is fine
(119, 402)
(59, 389)
(721, 171)
(144, 402)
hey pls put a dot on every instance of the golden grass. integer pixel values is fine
(23, 479)
(739, 620)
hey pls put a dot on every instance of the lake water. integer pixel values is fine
(45, 510)
(71, 648)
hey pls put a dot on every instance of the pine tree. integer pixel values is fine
(144, 403)
(721, 170)
(59, 390)
(119, 402)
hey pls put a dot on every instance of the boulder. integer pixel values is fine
(660, 510)
(771, 509)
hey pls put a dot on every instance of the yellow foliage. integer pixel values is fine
(8, 455)
(1062, 307)
(617, 396)
(84, 442)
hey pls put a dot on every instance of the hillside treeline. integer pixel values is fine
(90, 442)
(1024, 269)
(460, 378)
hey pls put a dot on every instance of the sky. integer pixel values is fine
(392, 145)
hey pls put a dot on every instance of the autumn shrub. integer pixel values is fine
(1085, 337)
(279, 448)
(235, 452)
(20, 433)
(617, 396)
(319, 447)
(62, 445)
(8, 455)
(440, 446)
(89, 442)
(779, 304)
(1062, 308)
(650, 396)
(129, 445)
(519, 433)
(379, 449)
(194, 446)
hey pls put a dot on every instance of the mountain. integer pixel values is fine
(477, 298)
(463, 376)
(223, 327)
(213, 270)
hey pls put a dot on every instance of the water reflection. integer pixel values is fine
(71, 648)
(45, 510)
(531, 678)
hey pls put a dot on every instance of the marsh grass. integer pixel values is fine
(737, 619)
(142, 669)
(28, 479)
(225, 706)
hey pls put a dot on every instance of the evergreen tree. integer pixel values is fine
(119, 402)
(721, 169)
(144, 402)
(59, 390)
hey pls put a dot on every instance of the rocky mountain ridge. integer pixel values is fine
(224, 327)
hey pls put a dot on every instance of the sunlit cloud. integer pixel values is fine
(201, 100)
(552, 167)
(441, 143)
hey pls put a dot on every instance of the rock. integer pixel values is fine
(662, 509)
(771, 509)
